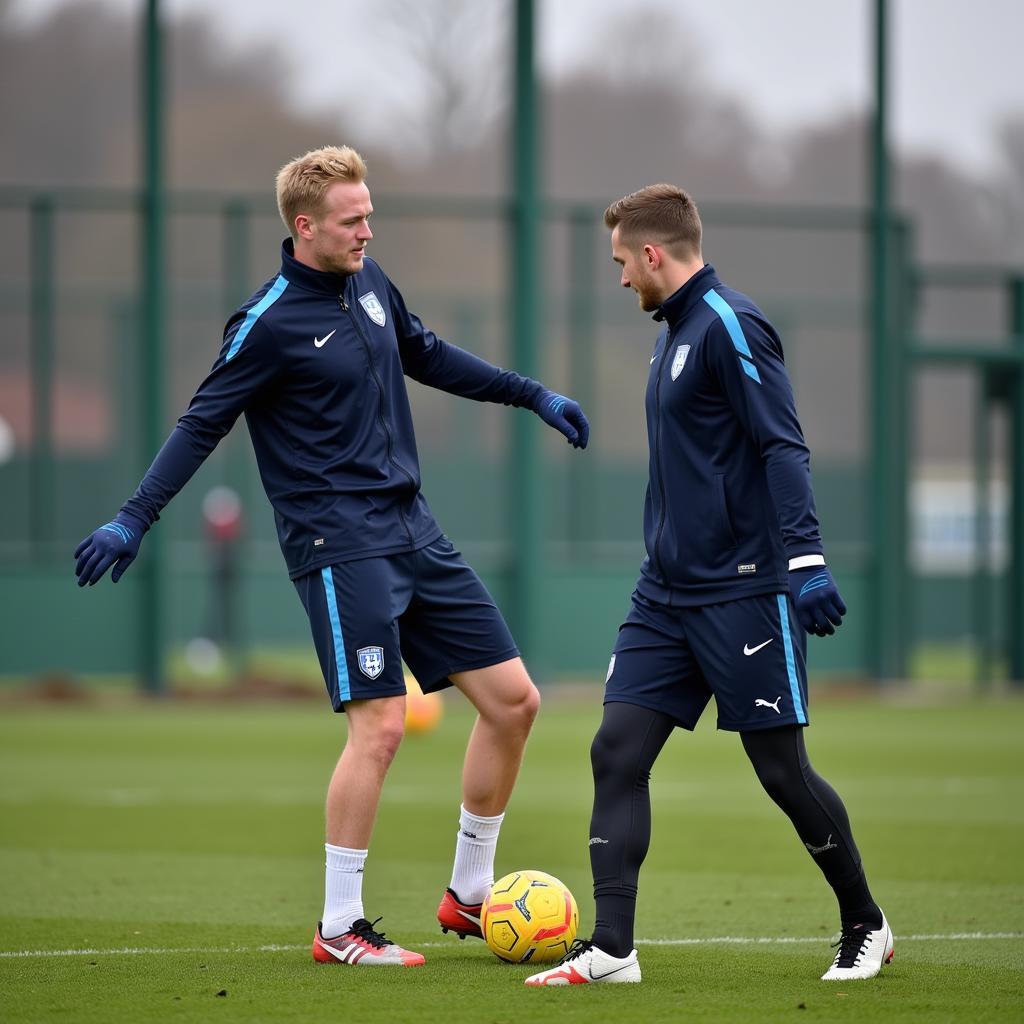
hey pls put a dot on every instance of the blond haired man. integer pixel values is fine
(316, 359)
(734, 556)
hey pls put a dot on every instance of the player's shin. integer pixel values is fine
(780, 760)
(622, 755)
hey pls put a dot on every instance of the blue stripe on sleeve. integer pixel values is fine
(733, 326)
(273, 294)
(787, 642)
(729, 318)
(344, 689)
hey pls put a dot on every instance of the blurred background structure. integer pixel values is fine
(846, 182)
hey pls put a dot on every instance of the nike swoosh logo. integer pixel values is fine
(469, 917)
(320, 342)
(607, 974)
(748, 651)
(653, 358)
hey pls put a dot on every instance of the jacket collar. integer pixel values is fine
(299, 274)
(681, 301)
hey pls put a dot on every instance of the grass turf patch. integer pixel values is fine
(192, 835)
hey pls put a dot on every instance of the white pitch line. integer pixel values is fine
(148, 951)
(741, 940)
(721, 940)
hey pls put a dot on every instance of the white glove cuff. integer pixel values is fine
(805, 561)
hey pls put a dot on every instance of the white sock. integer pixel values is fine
(343, 890)
(473, 873)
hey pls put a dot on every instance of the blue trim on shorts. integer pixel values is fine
(344, 689)
(787, 641)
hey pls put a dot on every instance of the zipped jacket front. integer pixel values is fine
(729, 499)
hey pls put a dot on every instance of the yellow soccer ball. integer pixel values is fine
(529, 916)
(422, 710)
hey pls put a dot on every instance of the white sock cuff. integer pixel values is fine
(481, 828)
(341, 858)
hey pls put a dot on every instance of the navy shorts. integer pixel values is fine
(427, 607)
(745, 653)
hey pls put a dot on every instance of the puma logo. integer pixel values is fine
(760, 703)
(829, 845)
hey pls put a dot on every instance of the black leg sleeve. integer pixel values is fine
(780, 760)
(622, 755)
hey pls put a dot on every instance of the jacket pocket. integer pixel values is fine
(723, 521)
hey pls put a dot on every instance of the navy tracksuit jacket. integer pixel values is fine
(729, 501)
(317, 362)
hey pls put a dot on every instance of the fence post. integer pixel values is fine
(236, 254)
(42, 496)
(982, 535)
(526, 532)
(1015, 604)
(885, 607)
(152, 337)
(237, 286)
(581, 504)
(902, 296)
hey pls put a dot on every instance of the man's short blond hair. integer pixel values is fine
(303, 182)
(659, 215)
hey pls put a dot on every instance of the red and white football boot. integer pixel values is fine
(455, 916)
(362, 946)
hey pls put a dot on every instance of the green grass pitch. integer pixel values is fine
(174, 853)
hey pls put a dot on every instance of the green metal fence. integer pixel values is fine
(80, 385)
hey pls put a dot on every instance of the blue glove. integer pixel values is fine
(114, 544)
(819, 607)
(564, 415)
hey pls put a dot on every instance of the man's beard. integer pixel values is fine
(647, 295)
(338, 264)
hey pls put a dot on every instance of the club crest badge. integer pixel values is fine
(371, 659)
(374, 310)
(679, 360)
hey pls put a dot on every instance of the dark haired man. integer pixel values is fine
(734, 554)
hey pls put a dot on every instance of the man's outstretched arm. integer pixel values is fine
(433, 361)
(240, 371)
(117, 543)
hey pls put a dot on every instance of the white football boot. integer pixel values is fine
(585, 964)
(862, 953)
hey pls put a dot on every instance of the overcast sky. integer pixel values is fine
(956, 68)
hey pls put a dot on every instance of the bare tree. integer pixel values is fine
(453, 79)
(1009, 191)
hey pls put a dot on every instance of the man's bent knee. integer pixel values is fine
(520, 709)
(514, 712)
(528, 706)
(605, 752)
(502, 693)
